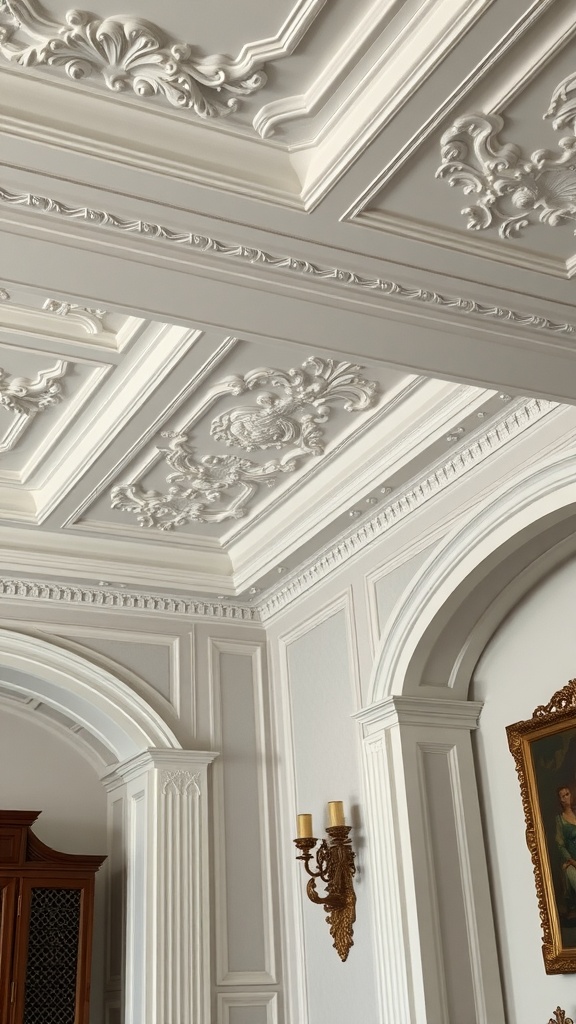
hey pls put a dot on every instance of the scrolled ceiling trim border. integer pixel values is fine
(252, 256)
(130, 53)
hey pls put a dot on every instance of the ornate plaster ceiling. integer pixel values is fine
(240, 306)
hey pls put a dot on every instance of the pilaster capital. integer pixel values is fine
(178, 769)
(430, 712)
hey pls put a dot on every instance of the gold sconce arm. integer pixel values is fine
(560, 1017)
(335, 867)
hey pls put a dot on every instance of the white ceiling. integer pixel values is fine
(182, 282)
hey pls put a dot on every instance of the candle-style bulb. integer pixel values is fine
(304, 826)
(336, 813)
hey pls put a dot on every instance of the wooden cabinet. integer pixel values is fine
(46, 913)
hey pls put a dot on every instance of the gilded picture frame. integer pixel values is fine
(544, 749)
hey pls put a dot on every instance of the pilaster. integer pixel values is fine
(167, 978)
(434, 929)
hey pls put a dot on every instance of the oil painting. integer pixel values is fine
(544, 748)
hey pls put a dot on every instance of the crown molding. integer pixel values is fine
(403, 63)
(251, 256)
(108, 597)
(408, 500)
(454, 241)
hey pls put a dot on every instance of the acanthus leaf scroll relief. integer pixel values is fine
(213, 488)
(129, 54)
(510, 189)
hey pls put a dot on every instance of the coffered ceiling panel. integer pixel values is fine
(241, 310)
(507, 150)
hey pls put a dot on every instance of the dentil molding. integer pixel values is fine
(214, 488)
(131, 54)
(410, 499)
(282, 263)
(107, 597)
(27, 397)
(509, 188)
(406, 501)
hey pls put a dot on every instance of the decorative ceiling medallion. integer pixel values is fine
(92, 320)
(128, 53)
(214, 488)
(512, 190)
(249, 255)
(25, 398)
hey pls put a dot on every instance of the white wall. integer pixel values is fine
(41, 771)
(316, 691)
(532, 655)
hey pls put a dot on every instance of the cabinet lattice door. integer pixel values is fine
(46, 912)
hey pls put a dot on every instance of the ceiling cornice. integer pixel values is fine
(109, 597)
(250, 255)
(406, 501)
(485, 443)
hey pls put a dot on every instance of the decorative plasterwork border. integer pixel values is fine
(132, 54)
(408, 500)
(250, 255)
(475, 451)
(102, 597)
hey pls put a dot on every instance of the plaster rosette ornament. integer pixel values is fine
(213, 488)
(511, 190)
(128, 54)
(25, 398)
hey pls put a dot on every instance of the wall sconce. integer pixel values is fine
(560, 1017)
(335, 867)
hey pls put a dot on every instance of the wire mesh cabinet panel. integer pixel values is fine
(46, 914)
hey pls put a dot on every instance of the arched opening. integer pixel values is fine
(420, 748)
(157, 864)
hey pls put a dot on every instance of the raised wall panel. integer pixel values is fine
(320, 690)
(244, 924)
(116, 895)
(248, 1008)
(440, 801)
(135, 929)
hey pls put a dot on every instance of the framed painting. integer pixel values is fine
(544, 748)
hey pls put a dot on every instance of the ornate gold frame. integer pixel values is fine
(556, 717)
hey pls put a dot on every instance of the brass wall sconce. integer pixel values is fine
(335, 867)
(560, 1017)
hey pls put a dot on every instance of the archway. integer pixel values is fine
(439, 955)
(157, 811)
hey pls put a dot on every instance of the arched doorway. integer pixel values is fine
(436, 930)
(157, 827)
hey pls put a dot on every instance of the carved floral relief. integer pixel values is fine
(213, 488)
(129, 54)
(509, 189)
(26, 397)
